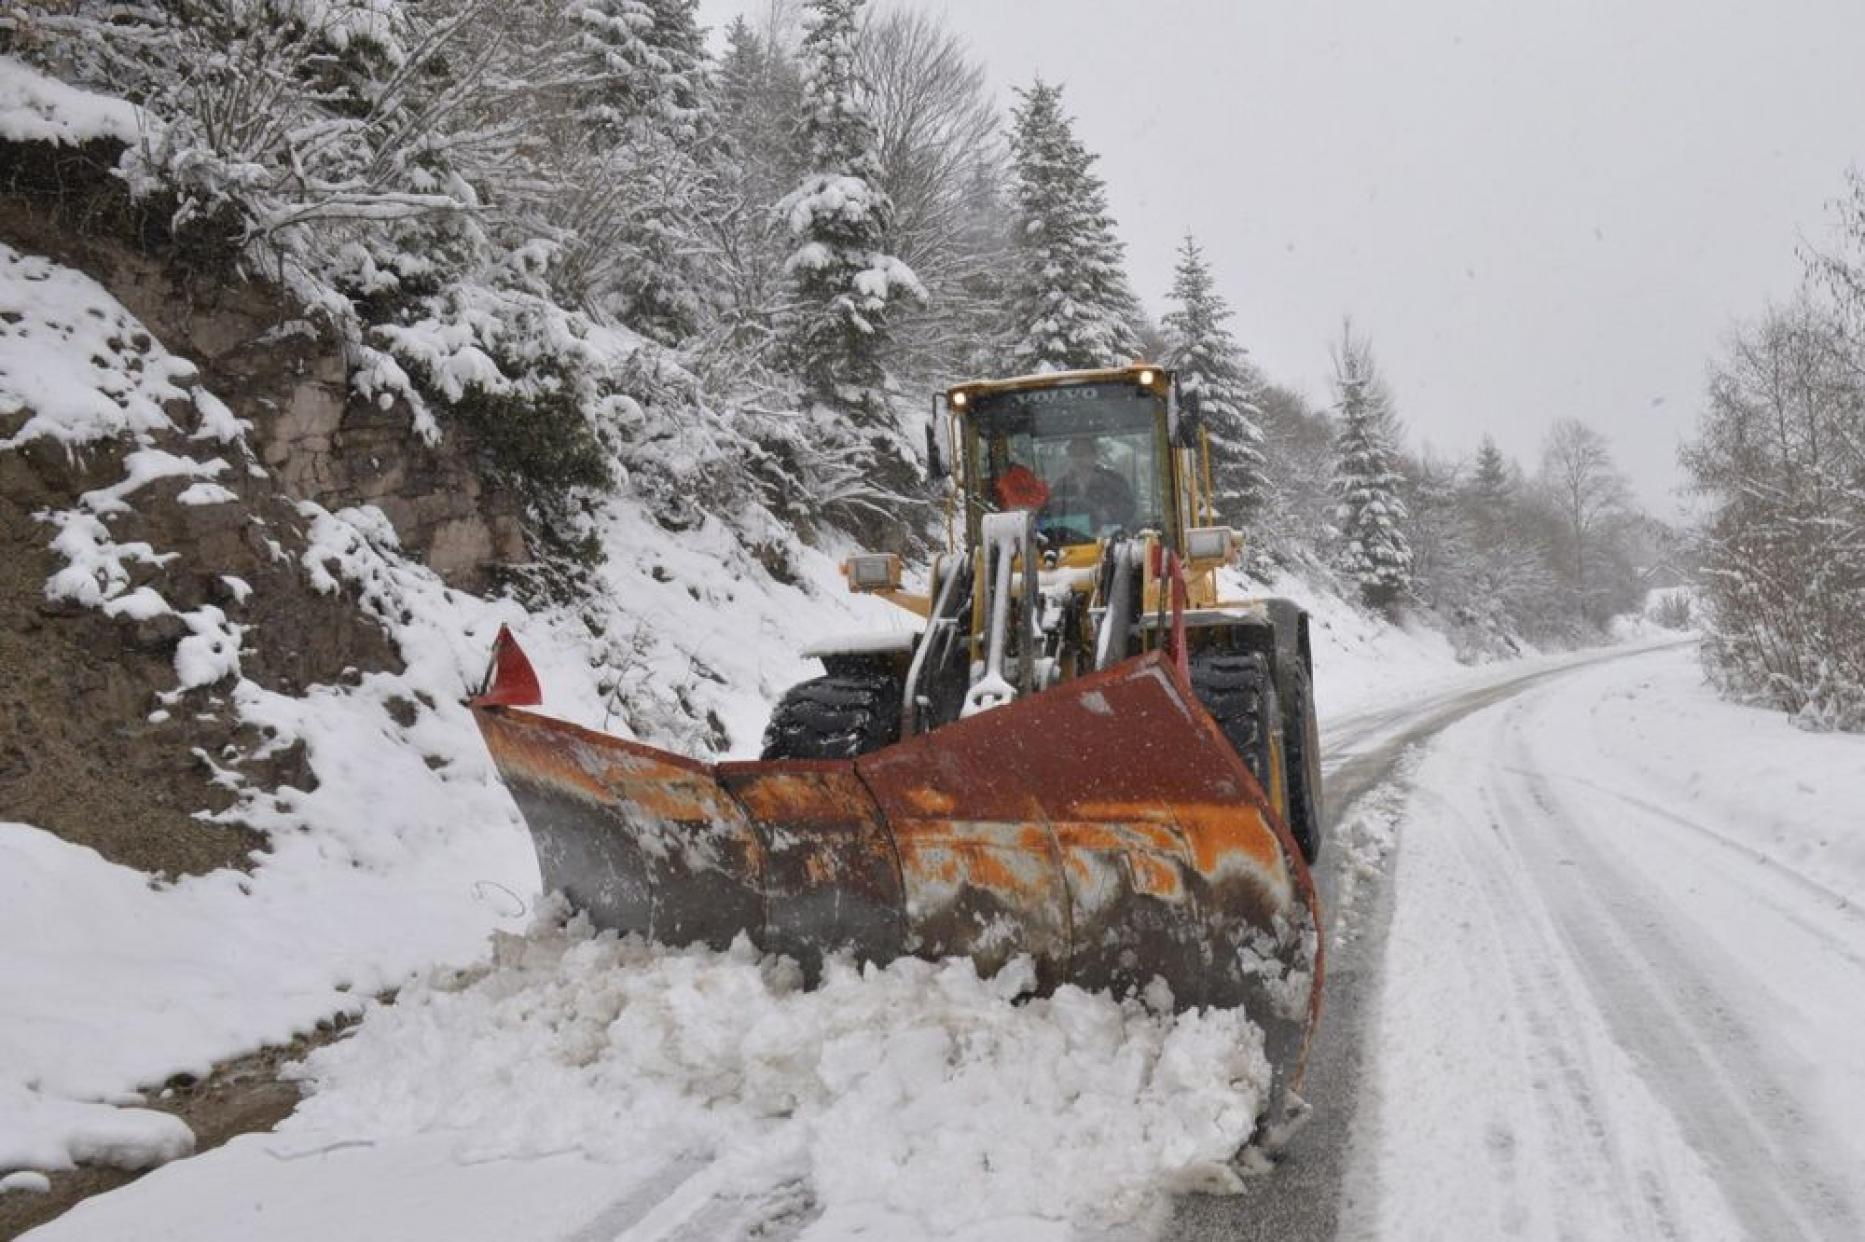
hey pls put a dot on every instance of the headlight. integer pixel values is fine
(1210, 543)
(878, 571)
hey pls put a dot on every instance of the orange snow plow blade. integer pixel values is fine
(1104, 828)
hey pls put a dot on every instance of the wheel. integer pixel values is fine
(1234, 687)
(835, 717)
(1302, 744)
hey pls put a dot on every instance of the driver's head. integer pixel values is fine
(1082, 455)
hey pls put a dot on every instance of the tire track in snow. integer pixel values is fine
(1666, 1005)
(1596, 1159)
(1832, 904)
(1326, 1178)
(1633, 942)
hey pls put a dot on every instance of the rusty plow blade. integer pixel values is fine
(1104, 828)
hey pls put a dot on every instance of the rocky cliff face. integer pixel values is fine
(96, 744)
(320, 439)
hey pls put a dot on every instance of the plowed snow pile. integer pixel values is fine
(624, 1087)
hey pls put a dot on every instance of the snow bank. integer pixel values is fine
(1358, 656)
(916, 1101)
(25, 1181)
(37, 108)
(1774, 790)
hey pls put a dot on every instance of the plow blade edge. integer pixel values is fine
(1104, 828)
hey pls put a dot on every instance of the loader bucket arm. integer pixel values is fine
(1104, 828)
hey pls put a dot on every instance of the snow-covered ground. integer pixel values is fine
(408, 853)
(605, 1088)
(554, 1084)
(1626, 972)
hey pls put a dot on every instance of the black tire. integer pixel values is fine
(1302, 744)
(835, 717)
(1233, 686)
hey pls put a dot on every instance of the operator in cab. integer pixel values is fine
(1088, 487)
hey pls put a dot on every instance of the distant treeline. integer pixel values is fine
(722, 281)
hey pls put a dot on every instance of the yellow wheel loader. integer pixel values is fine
(1084, 755)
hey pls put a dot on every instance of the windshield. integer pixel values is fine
(1084, 457)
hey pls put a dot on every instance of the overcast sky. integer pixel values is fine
(1533, 209)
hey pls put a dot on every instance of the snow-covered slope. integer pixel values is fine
(406, 852)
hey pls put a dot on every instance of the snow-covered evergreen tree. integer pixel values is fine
(1071, 306)
(1211, 363)
(846, 281)
(1373, 549)
(1489, 495)
(758, 93)
(649, 117)
(1442, 569)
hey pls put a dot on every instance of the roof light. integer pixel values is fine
(1147, 378)
(959, 400)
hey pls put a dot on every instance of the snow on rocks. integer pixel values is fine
(84, 371)
(404, 850)
(50, 1132)
(96, 570)
(81, 366)
(37, 108)
(25, 1180)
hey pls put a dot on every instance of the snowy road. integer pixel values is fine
(1625, 979)
(1615, 990)
(1325, 1176)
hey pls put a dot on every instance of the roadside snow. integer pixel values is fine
(1364, 840)
(681, 1091)
(1357, 656)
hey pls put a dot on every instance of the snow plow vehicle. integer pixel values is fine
(1083, 755)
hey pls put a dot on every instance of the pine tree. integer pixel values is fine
(684, 91)
(1488, 496)
(743, 71)
(1071, 307)
(1442, 566)
(650, 118)
(845, 279)
(759, 97)
(1211, 364)
(1373, 547)
(623, 86)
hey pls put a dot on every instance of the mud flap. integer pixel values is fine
(1104, 828)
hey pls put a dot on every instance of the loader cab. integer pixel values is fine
(1088, 452)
